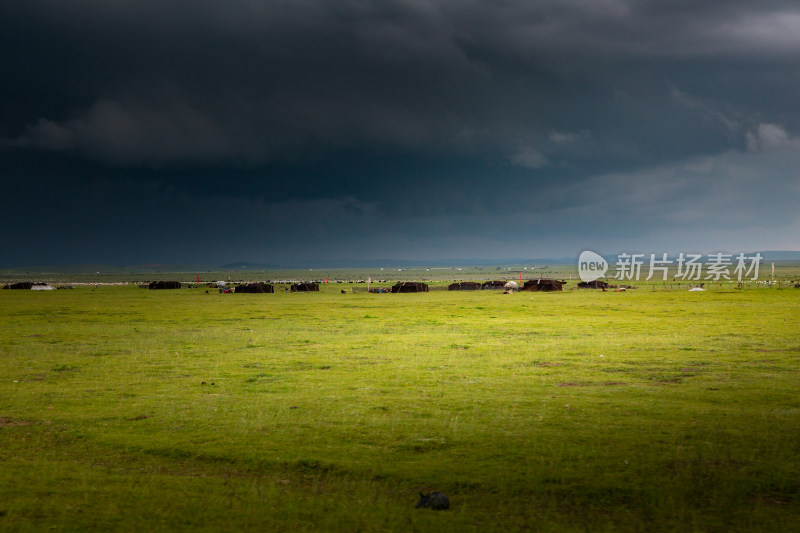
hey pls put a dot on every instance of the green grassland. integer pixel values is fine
(137, 410)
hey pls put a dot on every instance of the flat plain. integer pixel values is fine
(131, 409)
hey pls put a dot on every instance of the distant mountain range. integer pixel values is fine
(244, 265)
(239, 266)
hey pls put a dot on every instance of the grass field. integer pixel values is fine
(129, 409)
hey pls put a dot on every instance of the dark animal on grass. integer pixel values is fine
(435, 500)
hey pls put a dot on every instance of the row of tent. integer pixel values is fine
(308, 286)
(544, 285)
(257, 288)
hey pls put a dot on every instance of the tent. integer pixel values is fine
(42, 287)
(410, 286)
(464, 286)
(544, 285)
(493, 285)
(164, 285)
(24, 285)
(257, 288)
(306, 286)
(596, 284)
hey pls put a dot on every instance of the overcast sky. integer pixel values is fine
(302, 131)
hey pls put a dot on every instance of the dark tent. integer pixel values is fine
(494, 285)
(254, 288)
(164, 285)
(306, 286)
(596, 284)
(543, 285)
(410, 286)
(25, 285)
(464, 286)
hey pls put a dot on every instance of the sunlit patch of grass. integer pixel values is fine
(130, 409)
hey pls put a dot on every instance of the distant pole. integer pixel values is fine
(198, 278)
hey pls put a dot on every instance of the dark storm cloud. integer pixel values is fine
(199, 82)
(246, 81)
(343, 111)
